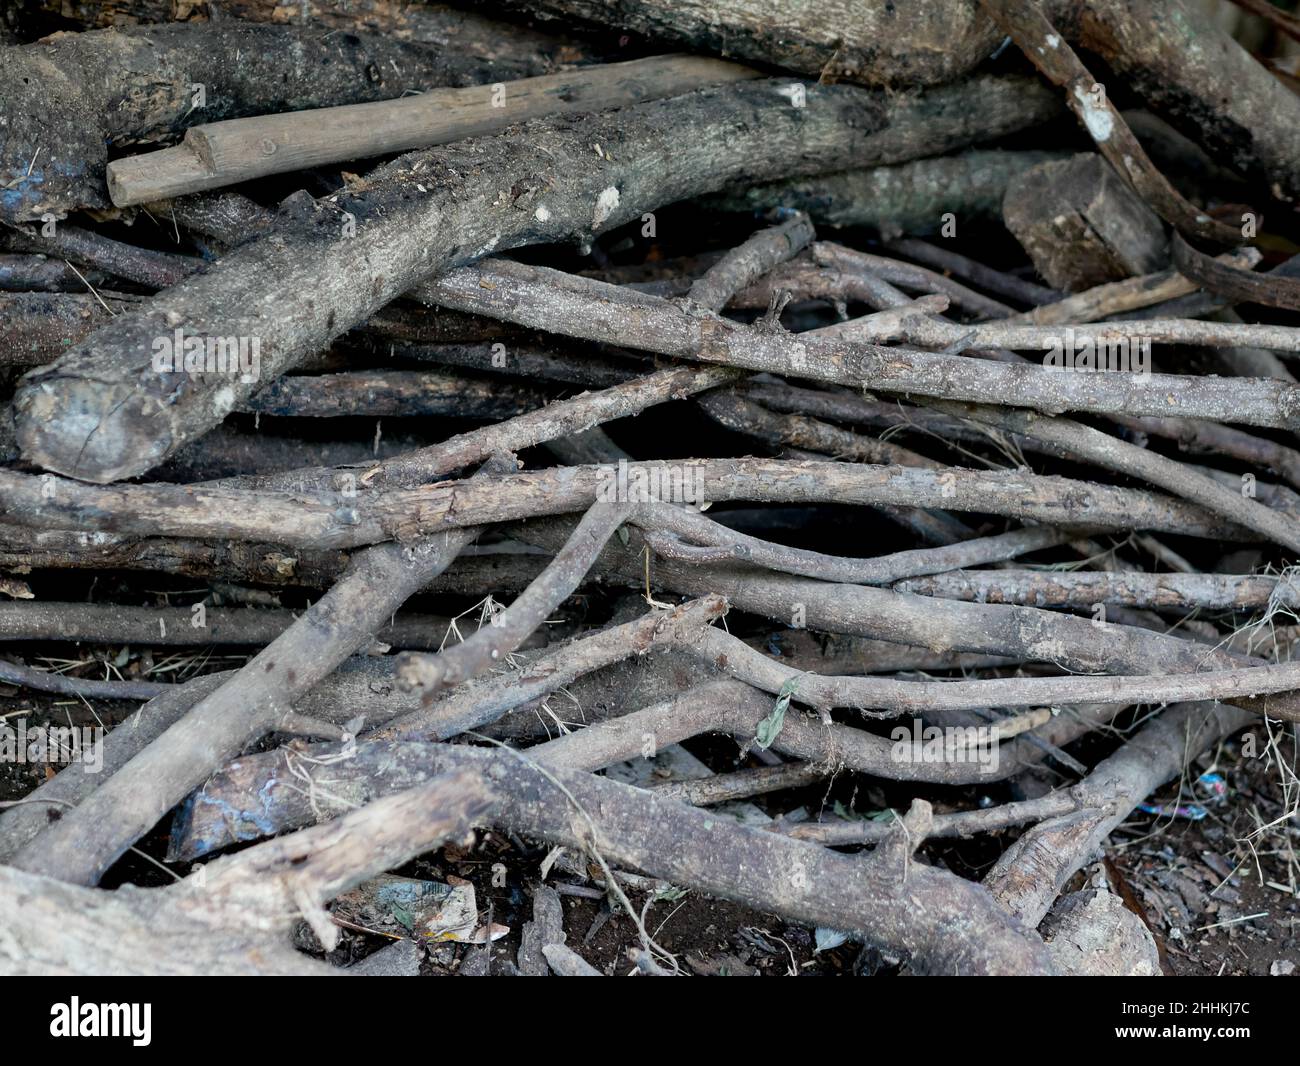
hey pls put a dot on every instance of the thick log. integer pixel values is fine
(466, 33)
(70, 99)
(872, 42)
(1081, 225)
(235, 916)
(1184, 66)
(218, 154)
(908, 198)
(103, 412)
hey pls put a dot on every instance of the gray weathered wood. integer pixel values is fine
(1081, 225)
(225, 153)
(102, 412)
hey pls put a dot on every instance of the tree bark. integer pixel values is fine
(70, 99)
(103, 413)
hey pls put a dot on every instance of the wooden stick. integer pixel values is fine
(463, 31)
(86, 842)
(481, 702)
(516, 623)
(47, 681)
(743, 266)
(583, 307)
(957, 824)
(881, 697)
(104, 412)
(110, 623)
(1082, 589)
(1102, 339)
(1129, 295)
(37, 327)
(906, 198)
(235, 918)
(72, 96)
(1120, 456)
(1041, 41)
(854, 264)
(1030, 874)
(355, 518)
(994, 281)
(741, 784)
(392, 393)
(695, 538)
(523, 431)
(1074, 643)
(218, 154)
(41, 273)
(152, 269)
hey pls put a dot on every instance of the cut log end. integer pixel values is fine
(86, 430)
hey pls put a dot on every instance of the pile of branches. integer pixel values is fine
(698, 401)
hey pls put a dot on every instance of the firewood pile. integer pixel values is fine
(477, 481)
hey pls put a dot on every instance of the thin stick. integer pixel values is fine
(1043, 46)
(1081, 590)
(582, 307)
(1115, 335)
(482, 701)
(43, 681)
(741, 784)
(839, 258)
(997, 281)
(86, 842)
(109, 623)
(1124, 458)
(154, 270)
(743, 266)
(1131, 294)
(884, 697)
(703, 541)
(557, 419)
(944, 826)
(509, 629)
